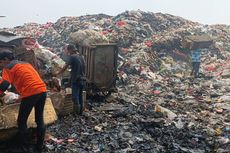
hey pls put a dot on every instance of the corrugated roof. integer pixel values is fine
(7, 37)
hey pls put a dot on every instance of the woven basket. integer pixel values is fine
(62, 103)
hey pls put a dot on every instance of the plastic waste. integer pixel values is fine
(224, 140)
(10, 97)
(165, 111)
(227, 129)
(218, 131)
(179, 124)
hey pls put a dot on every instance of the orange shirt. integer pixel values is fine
(24, 77)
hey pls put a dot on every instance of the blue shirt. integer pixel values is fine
(77, 65)
(196, 54)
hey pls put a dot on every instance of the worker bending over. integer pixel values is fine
(32, 91)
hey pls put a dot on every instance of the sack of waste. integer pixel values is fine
(88, 37)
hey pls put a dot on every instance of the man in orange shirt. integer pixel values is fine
(32, 91)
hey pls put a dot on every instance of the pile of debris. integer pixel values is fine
(159, 107)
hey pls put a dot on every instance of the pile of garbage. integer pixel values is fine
(87, 37)
(159, 108)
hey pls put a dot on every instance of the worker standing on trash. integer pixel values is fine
(77, 64)
(32, 91)
(196, 56)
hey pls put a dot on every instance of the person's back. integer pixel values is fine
(77, 65)
(196, 55)
(26, 80)
(196, 58)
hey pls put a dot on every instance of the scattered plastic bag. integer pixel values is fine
(10, 98)
(165, 111)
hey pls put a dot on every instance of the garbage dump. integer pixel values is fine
(159, 107)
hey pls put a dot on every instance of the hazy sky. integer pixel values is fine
(18, 12)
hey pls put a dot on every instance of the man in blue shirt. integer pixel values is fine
(77, 64)
(196, 55)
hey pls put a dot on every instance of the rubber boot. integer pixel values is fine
(40, 140)
(74, 109)
(83, 99)
(81, 110)
(23, 143)
(77, 109)
(83, 102)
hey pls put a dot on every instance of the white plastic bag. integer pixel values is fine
(10, 97)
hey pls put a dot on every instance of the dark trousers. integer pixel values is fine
(77, 89)
(38, 102)
(195, 68)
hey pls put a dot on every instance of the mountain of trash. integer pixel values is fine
(137, 33)
(158, 107)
